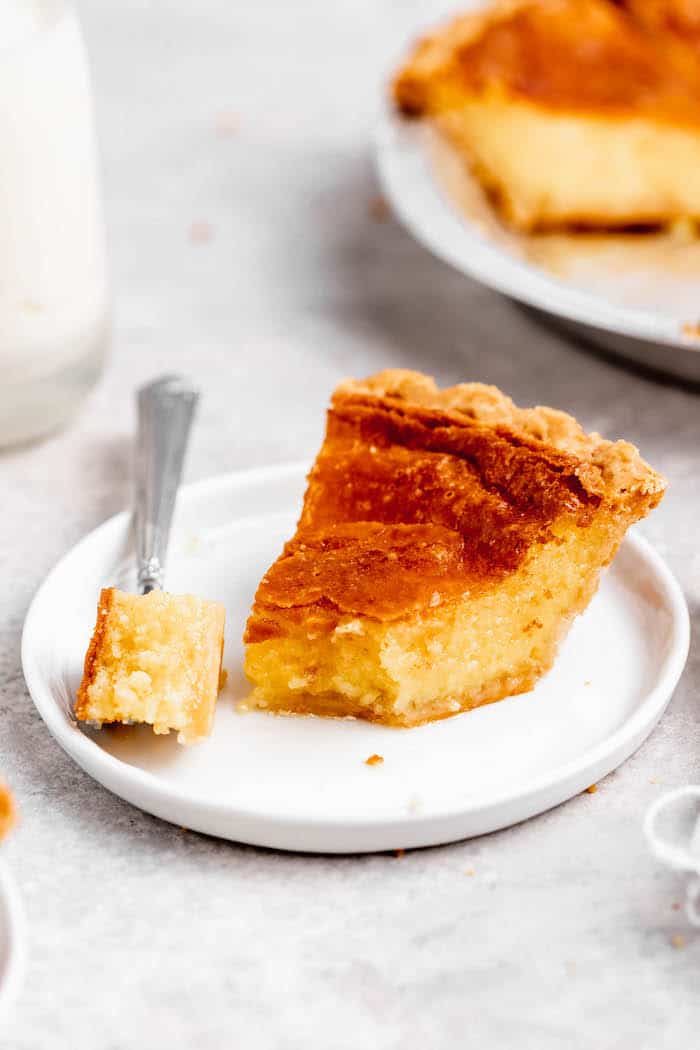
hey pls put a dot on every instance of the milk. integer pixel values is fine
(53, 292)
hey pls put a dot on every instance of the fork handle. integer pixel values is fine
(165, 410)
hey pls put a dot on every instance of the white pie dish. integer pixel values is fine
(302, 783)
(633, 295)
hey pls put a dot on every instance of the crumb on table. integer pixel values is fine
(678, 940)
(227, 123)
(469, 871)
(201, 232)
(374, 760)
(592, 789)
(379, 210)
(399, 853)
(691, 330)
(8, 812)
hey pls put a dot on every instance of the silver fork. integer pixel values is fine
(165, 410)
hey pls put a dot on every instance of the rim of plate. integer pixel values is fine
(13, 913)
(426, 213)
(90, 755)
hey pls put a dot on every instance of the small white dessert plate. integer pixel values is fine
(12, 941)
(301, 783)
(634, 294)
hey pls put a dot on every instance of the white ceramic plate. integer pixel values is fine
(12, 941)
(635, 294)
(302, 783)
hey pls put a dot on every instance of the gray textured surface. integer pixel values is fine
(145, 936)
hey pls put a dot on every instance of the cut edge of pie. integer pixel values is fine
(446, 542)
(570, 113)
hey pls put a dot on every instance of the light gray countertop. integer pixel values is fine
(255, 118)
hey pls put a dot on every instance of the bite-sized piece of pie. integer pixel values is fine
(447, 540)
(154, 658)
(7, 809)
(571, 113)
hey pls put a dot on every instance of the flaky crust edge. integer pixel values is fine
(104, 607)
(623, 473)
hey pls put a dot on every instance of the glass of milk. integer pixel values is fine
(54, 312)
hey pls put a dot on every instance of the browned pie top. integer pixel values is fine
(680, 17)
(563, 54)
(419, 494)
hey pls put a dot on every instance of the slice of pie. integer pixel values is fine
(569, 112)
(446, 542)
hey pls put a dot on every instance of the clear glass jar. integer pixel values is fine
(54, 308)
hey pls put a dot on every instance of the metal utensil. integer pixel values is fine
(165, 411)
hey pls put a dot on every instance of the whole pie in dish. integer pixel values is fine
(446, 542)
(571, 113)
